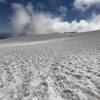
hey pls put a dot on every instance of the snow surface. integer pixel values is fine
(66, 69)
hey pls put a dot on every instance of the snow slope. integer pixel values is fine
(66, 68)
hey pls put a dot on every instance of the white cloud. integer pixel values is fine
(63, 10)
(81, 26)
(19, 19)
(85, 4)
(42, 23)
(35, 22)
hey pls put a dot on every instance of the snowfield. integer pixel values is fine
(63, 69)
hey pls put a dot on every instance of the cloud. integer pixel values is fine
(54, 2)
(2, 1)
(41, 6)
(63, 10)
(19, 19)
(34, 21)
(83, 25)
(25, 19)
(42, 23)
(85, 4)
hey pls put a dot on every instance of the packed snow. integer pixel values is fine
(67, 69)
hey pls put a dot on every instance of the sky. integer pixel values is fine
(48, 16)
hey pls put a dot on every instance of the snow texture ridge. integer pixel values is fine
(40, 73)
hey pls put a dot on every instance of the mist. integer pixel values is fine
(26, 20)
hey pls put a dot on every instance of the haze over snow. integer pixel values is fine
(39, 17)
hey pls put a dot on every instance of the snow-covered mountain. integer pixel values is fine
(50, 67)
